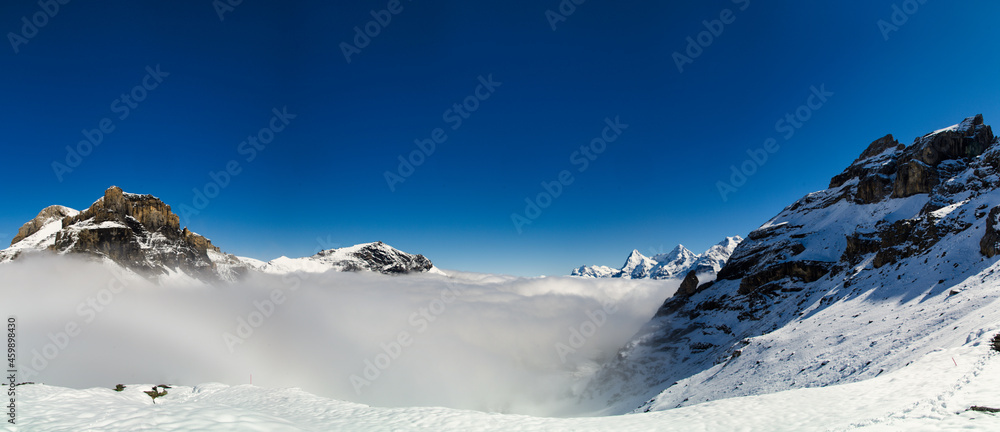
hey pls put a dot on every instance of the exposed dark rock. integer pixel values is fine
(381, 258)
(138, 232)
(859, 245)
(914, 177)
(873, 188)
(859, 168)
(804, 271)
(689, 285)
(905, 238)
(989, 245)
(917, 164)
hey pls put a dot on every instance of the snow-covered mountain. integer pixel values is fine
(675, 264)
(896, 259)
(140, 234)
(376, 257)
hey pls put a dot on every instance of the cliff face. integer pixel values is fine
(940, 164)
(138, 232)
(898, 232)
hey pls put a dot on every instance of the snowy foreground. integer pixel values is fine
(933, 393)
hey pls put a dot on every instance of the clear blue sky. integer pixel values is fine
(323, 176)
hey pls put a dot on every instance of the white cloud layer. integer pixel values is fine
(473, 341)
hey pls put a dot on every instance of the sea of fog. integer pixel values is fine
(474, 341)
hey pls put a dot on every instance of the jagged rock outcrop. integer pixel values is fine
(689, 285)
(138, 232)
(917, 164)
(802, 271)
(861, 167)
(989, 245)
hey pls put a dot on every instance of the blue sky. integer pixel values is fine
(323, 175)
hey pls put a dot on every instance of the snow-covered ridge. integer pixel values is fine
(898, 258)
(377, 257)
(139, 234)
(674, 264)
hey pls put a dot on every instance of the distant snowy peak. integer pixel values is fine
(140, 234)
(377, 257)
(595, 271)
(716, 256)
(679, 253)
(674, 264)
(637, 266)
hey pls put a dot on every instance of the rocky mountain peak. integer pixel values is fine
(887, 168)
(137, 232)
(878, 147)
(917, 165)
(47, 215)
(118, 205)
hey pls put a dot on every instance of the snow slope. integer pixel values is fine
(933, 394)
(837, 288)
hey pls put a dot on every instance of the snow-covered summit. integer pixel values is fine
(376, 256)
(637, 266)
(671, 265)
